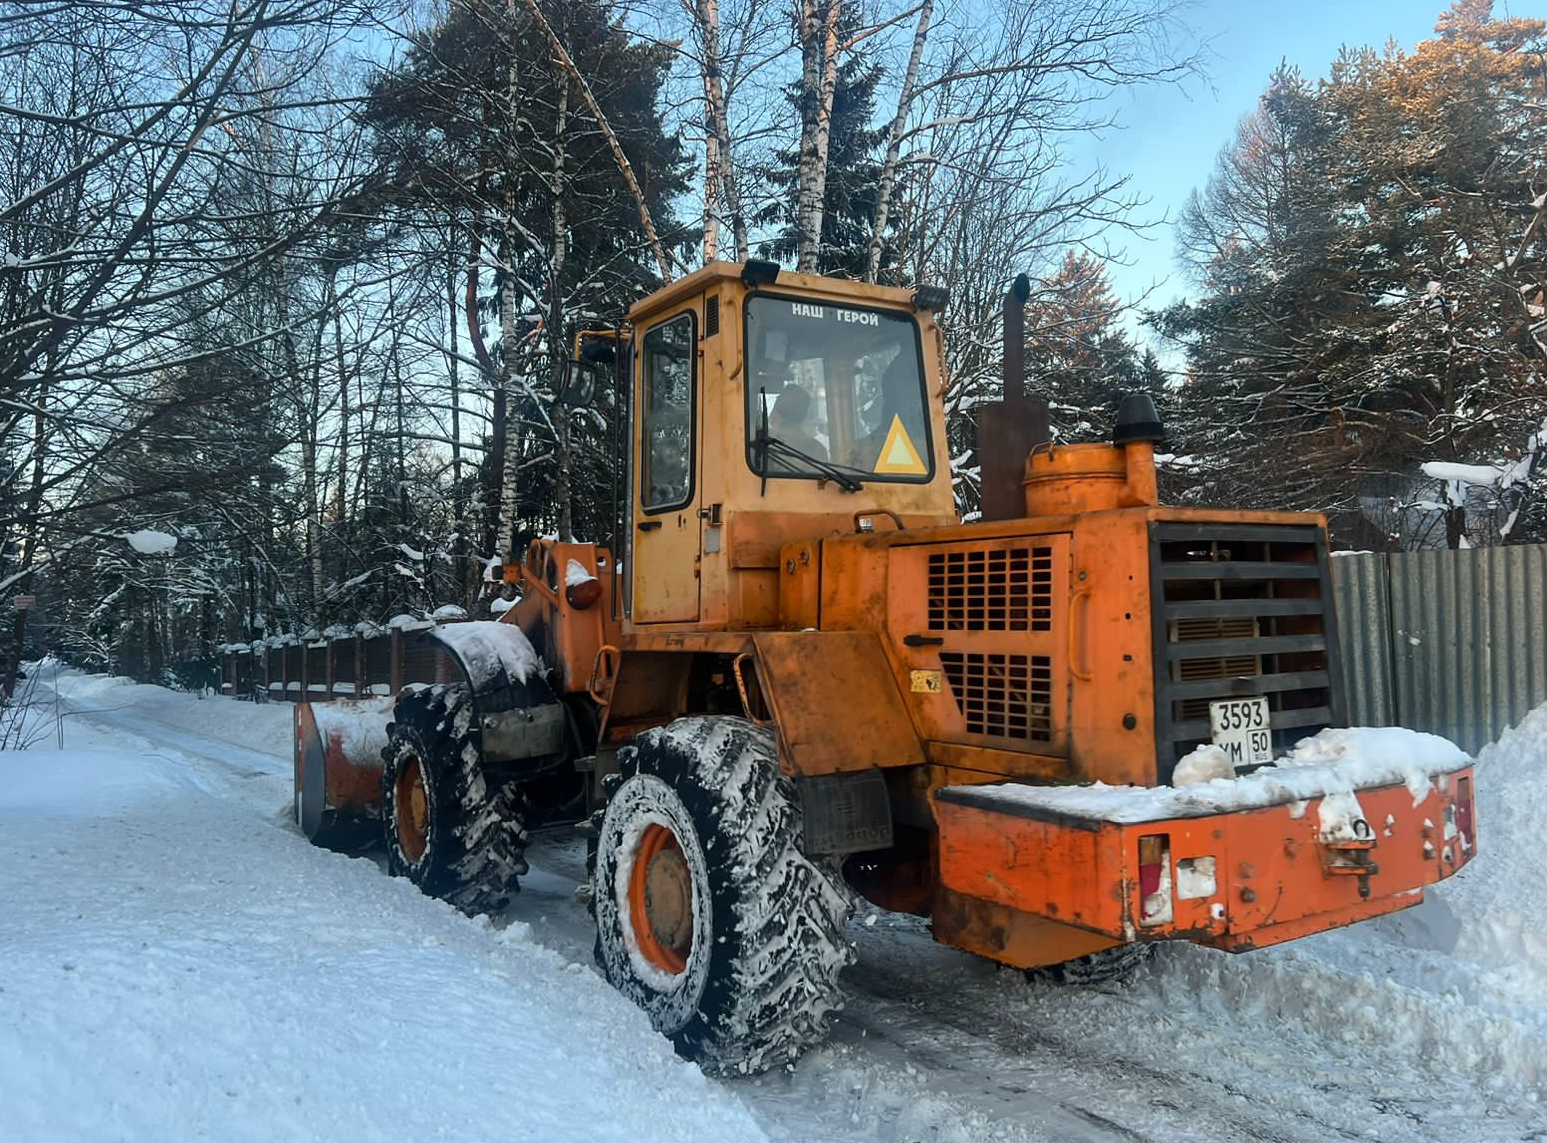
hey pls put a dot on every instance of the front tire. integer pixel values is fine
(450, 827)
(709, 916)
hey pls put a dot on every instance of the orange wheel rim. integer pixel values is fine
(413, 810)
(660, 900)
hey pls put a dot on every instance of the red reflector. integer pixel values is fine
(1464, 810)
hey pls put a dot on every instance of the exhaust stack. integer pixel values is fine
(1008, 427)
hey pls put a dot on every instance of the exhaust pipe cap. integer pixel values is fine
(1137, 420)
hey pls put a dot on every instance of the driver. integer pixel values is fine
(787, 422)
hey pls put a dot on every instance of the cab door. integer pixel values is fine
(666, 477)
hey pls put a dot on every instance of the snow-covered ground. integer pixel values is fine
(177, 963)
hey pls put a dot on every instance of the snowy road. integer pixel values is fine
(1429, 1025)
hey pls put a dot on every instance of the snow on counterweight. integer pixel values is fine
(1334, 762)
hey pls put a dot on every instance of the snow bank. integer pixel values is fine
(226, 981)
(1502, 906)
(180, 964)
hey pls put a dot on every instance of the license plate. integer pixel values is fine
(1242, 728)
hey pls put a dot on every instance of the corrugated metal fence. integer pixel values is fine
(1452, 642)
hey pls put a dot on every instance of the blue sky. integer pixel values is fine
(1170, 138)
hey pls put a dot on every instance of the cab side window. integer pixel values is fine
(666, 417)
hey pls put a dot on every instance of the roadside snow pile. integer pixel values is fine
(1502, 904)
(151, 711)
(1452, 992)
(180, 964)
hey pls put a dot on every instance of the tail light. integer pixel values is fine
(1465, 823)
(1155, 879)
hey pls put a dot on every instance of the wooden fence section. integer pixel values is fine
(347, 666)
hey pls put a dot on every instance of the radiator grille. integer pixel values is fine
(1214, 666)
(1002, 589)
(1003, 696)
(1241, 611)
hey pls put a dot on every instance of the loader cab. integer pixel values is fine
(773, 407)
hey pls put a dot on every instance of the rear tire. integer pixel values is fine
(450, 827)
(708, 915)
(1117, 963)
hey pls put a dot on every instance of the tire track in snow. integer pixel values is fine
(240, 761)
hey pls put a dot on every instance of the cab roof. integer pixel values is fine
(833, 289)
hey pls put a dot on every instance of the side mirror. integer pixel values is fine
(581, 381)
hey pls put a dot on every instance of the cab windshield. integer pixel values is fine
(834, 392)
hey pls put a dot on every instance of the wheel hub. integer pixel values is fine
(412, 815)
(661, 900)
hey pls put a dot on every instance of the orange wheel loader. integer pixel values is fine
(806, 678)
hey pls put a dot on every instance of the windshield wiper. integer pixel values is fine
(772, 446)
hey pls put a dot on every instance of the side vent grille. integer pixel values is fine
(712, 315)
(1003, 696)
(1005, 589)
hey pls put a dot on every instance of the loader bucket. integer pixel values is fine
(338, 767)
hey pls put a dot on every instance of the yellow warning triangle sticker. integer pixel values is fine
(898, 456)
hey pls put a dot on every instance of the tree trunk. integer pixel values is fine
(719, 169)
(459, 562)
(341, 506)
(819, 78)
(510, 457)
(563, 460)
(888, 180)
(27, 549)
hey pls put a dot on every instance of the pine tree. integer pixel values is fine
(1360, 253)
(1077, 352)
(481, 125)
